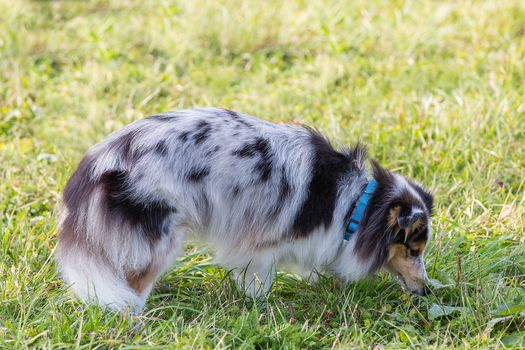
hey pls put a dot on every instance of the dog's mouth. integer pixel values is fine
(402, 282)
(420, 289)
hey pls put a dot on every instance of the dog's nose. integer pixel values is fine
(423, 291)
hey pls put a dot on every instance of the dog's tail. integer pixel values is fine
(99, 249)
(115, 237)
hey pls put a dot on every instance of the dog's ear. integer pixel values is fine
(404, 219)
(409, 217)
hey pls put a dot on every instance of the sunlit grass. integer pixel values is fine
(434, 88)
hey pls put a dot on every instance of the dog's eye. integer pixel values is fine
(414, 253)
(400, 238)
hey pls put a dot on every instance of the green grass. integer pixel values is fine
(434, 88)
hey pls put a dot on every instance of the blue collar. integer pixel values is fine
(359, 209)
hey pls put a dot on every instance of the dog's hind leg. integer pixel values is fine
(163, 255)
(117, 281)
(95, 281)
(115, 241)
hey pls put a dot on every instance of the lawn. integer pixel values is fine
(435, 89)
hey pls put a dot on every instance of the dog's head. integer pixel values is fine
(411, 230)
(396, 228)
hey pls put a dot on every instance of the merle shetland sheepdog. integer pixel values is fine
(263, 194)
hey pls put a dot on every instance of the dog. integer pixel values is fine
(262, 194)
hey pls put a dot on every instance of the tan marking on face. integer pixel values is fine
(419, 246)
(417, 224)
(410, 270)
(392, 216)
(396, 250)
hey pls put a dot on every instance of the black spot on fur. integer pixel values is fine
(244, 123)
(285, 191)
(264, 167)
(184, 136)
(213, 150)
(235, 190)
(240, 120)
(162, 117)
(204, 206)
(150, 215)
(123, 145)
(247, 150)
(230, 113)
(258, 148)
(202, 132)
(328, 167)
(285, 188)
(161, 148)
(198, 174)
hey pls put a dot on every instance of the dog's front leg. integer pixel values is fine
(256, 277)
